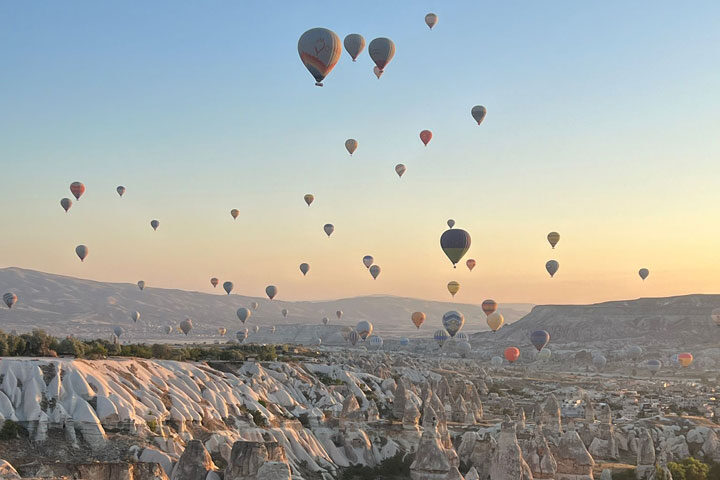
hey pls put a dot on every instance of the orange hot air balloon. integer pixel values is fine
(418, 318)
(426, 136)
(512, 354)
(489, 306)
(470, 263)
(685, 359)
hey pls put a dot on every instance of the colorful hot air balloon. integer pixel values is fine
(685, 359)
(539, 338)
(715, 316)
(309, 198)
(243, 314)
(599, 361)
(368, 261)
(450, 223)
(354, 45)
(329, 229)
(400, 169)
(643, 272)
(141, 285)
(470, 263)
(135, 316)
(364, 329)
(285, 312)
(441, 336)
(234, 213)
(404, 342)
(426, 136)
(339, 314)
(552, 267)
(478, 112)
(495, 320)
(512, 354)
(455, 242)
(431, 20)
(353, 337)
(381, 50)
(304, 268)
(254, 305)
(351, 145)
(453, 322)
(271, 291)
(66, 203)
(325, 320)
(77, 189)
(375, 271)
(418, 318)
(214, 282)
(553, 238)
(375, 341)
(319, 50)
(120, 190)
(453, 287)
(10, 298)
(654, 366)
(82, 252)
(222, 331)
(118, 331)
(489, 306)
(154, 224)
(228, 287)
(186, 325)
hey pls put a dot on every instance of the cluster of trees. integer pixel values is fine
(693, 469)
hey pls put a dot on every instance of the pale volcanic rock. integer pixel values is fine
(711, 447)
(507, 461)
(194, 463)
(574, 462)
(538, 456)
(431, 461)
(248, 458)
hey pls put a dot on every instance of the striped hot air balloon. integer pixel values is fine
(319, 50)
(453, 322)
(441, 336)
(10, 299)
(364, 329)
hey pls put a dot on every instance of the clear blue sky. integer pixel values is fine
(603, 122)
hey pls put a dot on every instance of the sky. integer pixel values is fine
(602, 124)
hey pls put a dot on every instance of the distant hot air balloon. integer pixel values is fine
(634, 351)
(135, 316)
(254, 305)
(375, 341)
(654, 366)
(418, 318)
(450, 223)
(118, 331)
(426, 136)
(272, 329)
(489, 306)
(351, 145)
(304, 268)
(512, 354)
(374, 271)
(354, 45)
(643, 272)
(243, 314)
(478, 112)
(470, 263)
(400, 169)
(685, 359)
(539, 338)
(544, 354)
(553, 238)
(66, 203)
(339, 314)
(461, 337)
(77, 189)
(453, 287)
(271, 291)
(214, 282)
(353, 337)
(228, 287)
(441, 336)
(222, 331)
(167, 329)
(10, 298)
(455, 242)
(309, 198)
(495, 320)
(404, 341)
(715, 316)
(431, 20)
(381, 51)
(241, 335)
(285, 312)
(368, 261)
(256, 328)
(552, 267)
(496, 361)
(186, 325)
(82, 252)
(599, 361)
(141, 285)
(120, 190)
(154, 224)
(329, 229)
(319, 50)
(364, 329)
(378, 73)
(234, 213)
(325, 320)
(453, 322)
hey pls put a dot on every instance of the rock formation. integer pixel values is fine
(431, 461)
(507, 461)
(574, 462)
(194, 463)
(645, 456)
(247, 459)
(538, 456)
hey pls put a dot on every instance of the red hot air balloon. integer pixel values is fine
(470, 264)
(512, 354)
(426, 136)
(77, 189)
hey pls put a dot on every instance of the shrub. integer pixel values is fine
(10, 430)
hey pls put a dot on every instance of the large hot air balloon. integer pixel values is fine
(455, 242)
(82, 252)
(552, 267)
(222, 331)
(431, 20)
(450, 223)
(228, 287)
(495, 320)
(309, 198)
(353, 337)
(242, 335)
(154, 224)
(374, 271)
(304, 268)
(496, 361)
(453, 322)
(418, 318)
(325, 320)
(339, 314)
(141, 285)
(643, 272)
(654, 366)
(426, 136)
(512, 354)
(685, 359)
(364, 329)
(539, 338)
(135, 316)
(186, 325)
(368, 261)
(285, 312)
(489, 306)
(234, 213)
(715, 316)
(453, 287)
(354, 45)
(214, 282)
(271, 291)
(478, 112)
(319, 50)
(440, 336)
(329, 229)
(470, 263)
(65, 203)
(381, 50)
(77, 189)
(375, 341)
(599, 361)
(400, 169)
(243, 314)
(10, 298)
(118, 331)
(553, 238)
(254, 305)
(120, 190)
(378, 73)
(351, 145)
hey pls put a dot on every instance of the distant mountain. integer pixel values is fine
(88, 309)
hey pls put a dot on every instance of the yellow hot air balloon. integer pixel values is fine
(495, 320)
(418, 318)
(685, 359)
(453, 287)
(309, 198)
(351, 145)
(553, 238)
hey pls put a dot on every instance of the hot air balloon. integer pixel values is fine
(381, 51)
(426, 136)
(243, 314)
(495, 320)
(654, 366)
(375, 341)
(241, 335)
(544, 354)
(715, 316)
(325, 320)
(228, 287)
(234, 213)
(364, 329)
(685, 359)
(82, 252)
(304, 268)
(120, 190)
(478, 112)
(431, 20)
(65, 203)
(404, 341)
(154, 224)
(353, 337)
(553, 238)
(354, 45)
(10, 298)
(453, 322)
(285, 312)
(489, 306)
(461, 337)
(539, 338)
(254, 305)
(329, 229)
(118, 331)
(339, 314)
(214, 282)
(167, 329)
(453, 287)
(512, 354)
(552, 267)
(271, 291)
(375, 271)
(455, 242)
(222, 331)
(400, 169)
(496, 361)
(141, 285)
(256, 328)
(470, 263)
(368, 261)
(135, 316)
(599, 361)
(186, 325)
(378, 73)
(450, 223)
(418, 318)
(309, 198)
(77, 189)
(319, 50)
(634, 351)
(441, 336)
(272, 329)
(351, 145)
(643, 272)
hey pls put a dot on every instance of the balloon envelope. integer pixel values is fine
(552, 267)
(10, 299)
(654, 365)
(118, 331)
(368, 261)
(141, 284)
(489, 306)
(234, 213)
(285, 312)
(243, 314)
(450, 223)
(431, 20)
(381, 51)
(319, 50)
(441, 336)
(426, 136)
(353, 337)
(375, 341)
(643, 272)
(470, 263)
(418, 318)
(167, 329)
(66, 203)
(329, 229)
(135, 316)
(325, 320)
(496, 361)
(461, 337)
(478, 112)
(120, 190)
(539, 338)
(254, 305)
(455, 242)
(154, 224)
(271, 291)
(77, 189)
(354, 45)
(339, 314)
(228, 287)
(351, 145)
(304, 268)
(544, 354)
(553, 238)
(214, 282)
(364, 329)
(685, 359)
(512, 354)
(495, 320)
(404, 341)
(400, 169)
(453, 322)
(222, 331)
(186, 325)
(241, 335)
(453, 287)
(375, 271)
(599, 361)
(82, 252)
(309, 198)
